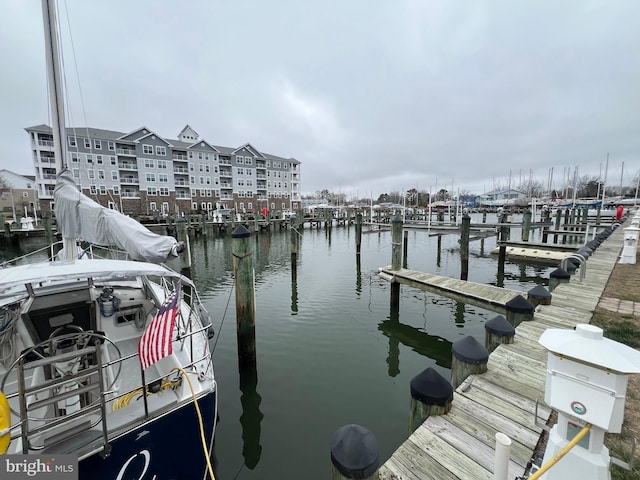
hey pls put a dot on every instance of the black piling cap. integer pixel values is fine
(354, 451)
(539, 292)
(431, 388)
(499, 325)
(560, 274)
(571, 266)
(469, 350)
(519, 304)
(396, 219)
(240, 232)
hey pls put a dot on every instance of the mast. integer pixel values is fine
(56, 99)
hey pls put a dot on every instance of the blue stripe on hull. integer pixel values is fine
(168, 448)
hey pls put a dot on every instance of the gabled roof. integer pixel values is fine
(135, 134)
(153, 134)
(187, 129)
(197, 144)
(251, 148)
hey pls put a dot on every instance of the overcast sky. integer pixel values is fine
(371, 96)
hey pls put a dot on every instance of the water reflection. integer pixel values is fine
(251, 417)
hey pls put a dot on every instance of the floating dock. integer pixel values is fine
(461, 444)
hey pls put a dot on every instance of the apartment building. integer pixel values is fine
(143, 173)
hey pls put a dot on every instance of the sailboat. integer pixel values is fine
(104, 357)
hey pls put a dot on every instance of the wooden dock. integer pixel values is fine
(477, 294)
(461, 444)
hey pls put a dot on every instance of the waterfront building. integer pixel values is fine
(143, 173)
(18, 196)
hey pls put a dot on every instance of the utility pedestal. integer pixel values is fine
(586, 383)
(630, 245)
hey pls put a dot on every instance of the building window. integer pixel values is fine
(162, 164)
(147, 149)
(150, 177)
(97, 144)
(208, 180)
(116, 189)
(201, 180)
(111, 146)
(161, 151)
(89, 158)
(76, 173)
(192, 179)
(240, 171)
(74, 157)
(164, 192)
(152, 206)
(149, 163)
(93, 190)
(248, 161)
(87, 143)
(114, 175)
(72, 141)
(103, 190)
(153, 191)
(99, 159)
(163, 178)
(191, 167)
(190, 155)
(250, 205)
(200, 167)
(113, 160)
(240, 160)
(100, 174)
(203, 205)
(194, 206)
(91, 174)
(207, 169)
(209, 192)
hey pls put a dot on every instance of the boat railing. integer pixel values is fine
(46, 418)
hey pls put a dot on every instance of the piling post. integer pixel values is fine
(245, 301)
(526, 225)
(567, 214)
(498, 331)
(294, 243)
(539, 295)
(469, 357)
(48, 235)
(557, 224)
(431, 394)
(405, 246)
(396, 243)
(464, 246)
(354, 453)
(557, 277)
(519, 310)
(358, 232)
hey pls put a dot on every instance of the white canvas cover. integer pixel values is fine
(80, 217)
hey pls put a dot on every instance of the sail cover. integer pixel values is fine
(80, 217)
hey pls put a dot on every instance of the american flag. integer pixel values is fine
(156, 343)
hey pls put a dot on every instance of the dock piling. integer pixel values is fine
(358, 232)
(469, 357)
(354, 453)
(464, 247)
(431, 394)
(245, 294)
(498, 331)
(519, 310)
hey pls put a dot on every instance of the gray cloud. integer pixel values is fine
(369, 96)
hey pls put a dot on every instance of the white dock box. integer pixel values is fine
(587, 375)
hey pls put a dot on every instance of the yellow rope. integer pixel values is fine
(562, 452)
(124, 400)
(204, 441)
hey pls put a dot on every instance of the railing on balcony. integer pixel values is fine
(225, 185)
(49, 176)
(179, 156)
(180, 170)
(130, 194)
(125, 151)
(128, 166)
(181, 183)
(129, 180)
(224, 162)
(226, 196)
(45, 143)
(260, 175)
(182, 195)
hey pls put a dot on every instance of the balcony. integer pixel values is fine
(125, 151)
(179, 156)
(182, 195)
(224, 162)
(49, 176)
(45, 143)
(127, 166)
(260, 176)
(180, 170)
(181, 183)
(129, 181)
(130, 194)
